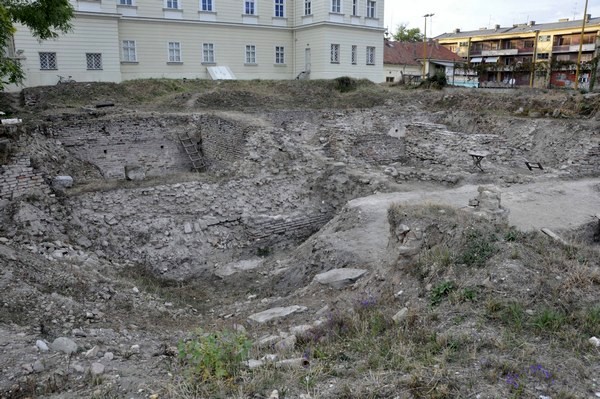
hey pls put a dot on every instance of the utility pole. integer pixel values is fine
(425, 44)
(581, 45)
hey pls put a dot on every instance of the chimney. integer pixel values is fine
(563, 20)
(457, 30)
(497, 27)
(531, 23)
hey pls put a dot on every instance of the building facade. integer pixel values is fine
(407, 62)
(540, 55)
(115, 40)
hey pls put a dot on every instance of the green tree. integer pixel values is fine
(45, 18)
(404, 34)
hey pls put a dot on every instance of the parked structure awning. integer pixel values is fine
(491, 60)
(475, 60)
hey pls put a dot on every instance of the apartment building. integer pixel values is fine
(115, 40)
(540, 55)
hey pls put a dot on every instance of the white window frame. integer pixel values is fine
(48, 61)
(334, 53)
(370, 55)
(250, 54)
(207, 5)
(128, 51)
(208, 53)
(355, 7)
(174, 52)
(279, 55)
(307, 7)
(336, 6)
(250, 5)
(93, 61)
(279, 5)
(354, 56)
(173, 4)
(371, 9)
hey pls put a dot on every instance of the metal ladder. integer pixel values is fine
(191, 149)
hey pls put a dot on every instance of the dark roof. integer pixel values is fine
(521, 28)
(405, 53)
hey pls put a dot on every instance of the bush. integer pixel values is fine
(217, 355)
(345, 84)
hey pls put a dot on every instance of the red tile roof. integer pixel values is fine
(405, 53)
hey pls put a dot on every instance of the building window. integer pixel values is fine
(528, 44)
(370, 55)
(47, 61)
(371, 9)
(129, 54)
(543, 56)
(389, 79)
(174, 52)
(206, 5)
(126, 2)
(355, 7)
(279, 10)
(335, 54)
(307, 7)
(94, 61)
(336, 6)
(279, 55)
(354, 54)
(250, 54)
(249, 7)
(174, 4)
(544, 38)
(208, 53)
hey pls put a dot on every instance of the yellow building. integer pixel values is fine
(540, 55)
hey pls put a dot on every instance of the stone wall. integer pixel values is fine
(379, 148)
(222, 141)
(433, 143)
(18, 178)
(590, 162)
(110, 144)
(267, 230)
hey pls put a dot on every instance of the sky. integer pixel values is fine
(474, 14)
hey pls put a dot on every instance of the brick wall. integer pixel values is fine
(223, 141)
(112, 144)
(433, 143)
(18, 178)
(267, 230)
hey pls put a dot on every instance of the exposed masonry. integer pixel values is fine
(435, 144)
(268, 230)
(112, 144)
(222, 141)
(151, 142)
(18, 178)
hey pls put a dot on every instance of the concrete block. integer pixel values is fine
(62, 182)
(134, 172)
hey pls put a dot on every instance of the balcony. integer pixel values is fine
(526, 50)
(499, 52)
(573, 48)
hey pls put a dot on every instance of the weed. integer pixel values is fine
(478, 249)
(263, 252)
(549, 320)
(591, 323)
(440, 291)
(513, 235)
(467, 295)
(513, 315)
(216, 355)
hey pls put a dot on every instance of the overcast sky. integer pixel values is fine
(475, 14)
